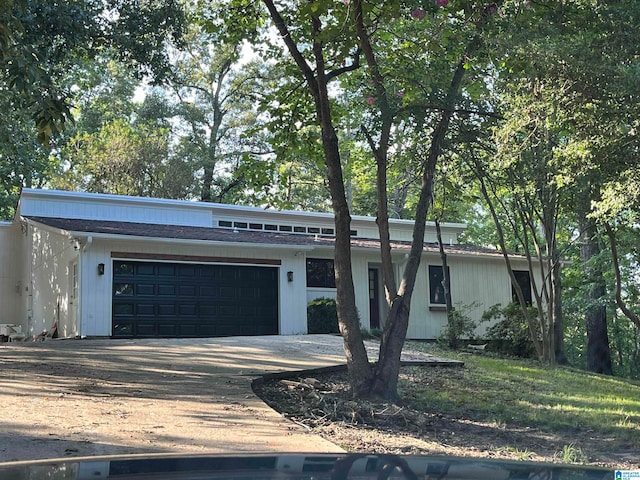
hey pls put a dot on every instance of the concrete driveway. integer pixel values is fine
(65, 398)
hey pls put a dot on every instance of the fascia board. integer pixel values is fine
(183, 241)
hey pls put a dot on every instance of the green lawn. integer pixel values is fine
(525, 393)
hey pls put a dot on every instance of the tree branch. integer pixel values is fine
(616, 267)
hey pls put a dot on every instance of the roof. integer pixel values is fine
(224, 235)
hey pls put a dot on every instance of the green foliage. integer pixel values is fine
(510, 335)
(571, 454)
(373, 334)
(40, 41)
(522, 393)
(24, 162)
(322, 316)
(459, 326)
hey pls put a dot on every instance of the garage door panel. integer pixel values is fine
(145, 289)
(123, 329)
(166, 270)
(166, 309)
(167, 290)
(123, 309)
(208, 309)
(206, 291)
(187, 290)
(227, 292)
(146, 328)
(122, 289)
(152, 299)
(167, 330)
(187, 309)
(144, 269)
(146, 309)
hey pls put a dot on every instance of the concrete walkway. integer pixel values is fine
(66, 398)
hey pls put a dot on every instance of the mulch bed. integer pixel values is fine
(322, 403)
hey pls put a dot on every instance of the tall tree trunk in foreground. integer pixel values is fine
(384, 383)
(316, 80)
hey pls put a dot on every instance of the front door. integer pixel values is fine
(374, 298)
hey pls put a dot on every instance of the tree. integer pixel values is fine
(215, 99)
(327, 40)
(40, 41)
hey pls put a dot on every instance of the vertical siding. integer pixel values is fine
(476, 284)
(10, 274)
(48, 288)
(120, 210)
(94, 310)
(360, 266)
(293, 305)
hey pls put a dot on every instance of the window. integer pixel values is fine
(436, 286)
(524, 280)
(224, 223)
(320, 273)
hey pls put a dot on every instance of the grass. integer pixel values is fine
(525, 393)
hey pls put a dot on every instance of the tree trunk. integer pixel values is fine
(357, 361)
(557, 316)
(598, 352)
(446, 285)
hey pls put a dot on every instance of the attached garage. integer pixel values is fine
(170, 299)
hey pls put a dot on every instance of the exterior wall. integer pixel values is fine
(11, 287)
(36, 275)
(477, 283)
(111, 207)
(60, 204)
(96, 290)
(48, 280)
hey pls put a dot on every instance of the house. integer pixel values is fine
(100, 265)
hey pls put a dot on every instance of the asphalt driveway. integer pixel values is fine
(66, 398)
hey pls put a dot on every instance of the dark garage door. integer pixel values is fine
(156, 299)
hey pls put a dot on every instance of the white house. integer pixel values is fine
(115, 266)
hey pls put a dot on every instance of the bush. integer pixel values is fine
(510, 336)
(322, 316)
(373, 334)
(459, 326)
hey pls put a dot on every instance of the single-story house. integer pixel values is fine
(100, 265)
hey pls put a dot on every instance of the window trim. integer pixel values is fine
(528, 294)
(433, 305)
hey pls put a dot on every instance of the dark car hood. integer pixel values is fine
(294, 466)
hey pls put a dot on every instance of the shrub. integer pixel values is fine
(459, 326)
(510, 336)
(322, 316)
(374, 333)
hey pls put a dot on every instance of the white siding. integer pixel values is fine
(477, 283)
(109, 208)
(49, 279)
(10, 274)
(96, 289)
